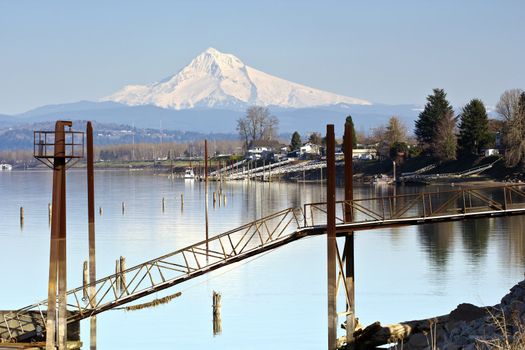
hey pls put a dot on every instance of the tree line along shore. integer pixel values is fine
(452, 142)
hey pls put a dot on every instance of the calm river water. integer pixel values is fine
(277, 300)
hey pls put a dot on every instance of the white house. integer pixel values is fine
(310, 148)
(259, 149)
(364, 153)
(491, 152)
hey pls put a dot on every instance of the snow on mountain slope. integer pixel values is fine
(217, 80)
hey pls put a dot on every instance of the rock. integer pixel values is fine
(467, 312)
(418, 341)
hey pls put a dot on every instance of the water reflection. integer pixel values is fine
(436, 241)
(513, 246)
(475, 237)
(395, 268)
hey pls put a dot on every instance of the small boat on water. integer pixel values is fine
(189, 174)
(6, 167)
(382, 179)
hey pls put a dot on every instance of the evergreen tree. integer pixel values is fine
(473, 129)
(296, 142)
(354, 138)
(437, 108)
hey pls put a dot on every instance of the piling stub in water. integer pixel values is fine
(117, 275)
(217, 323)
(21, 216)
(85, 281)
(122, 274)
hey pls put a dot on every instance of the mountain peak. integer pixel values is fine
(215, 79)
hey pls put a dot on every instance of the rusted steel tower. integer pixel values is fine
(57, 149)
(340, 267)
(91, 233)
(348, 254)
(331, 240)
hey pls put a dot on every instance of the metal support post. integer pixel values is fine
(91, 234)
(331, 238)
(349, 239)
(206, 190)
(57, 260)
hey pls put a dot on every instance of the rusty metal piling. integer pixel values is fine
(349, 238)
(331, 238)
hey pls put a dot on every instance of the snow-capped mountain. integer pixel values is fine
(217, 80)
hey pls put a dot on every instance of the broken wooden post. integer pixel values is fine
(21, 217)
(123, 274)
(217, 324)
(117, 275)
(85, 278)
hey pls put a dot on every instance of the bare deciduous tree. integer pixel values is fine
(445, 139)
(396, 131)
(507, 105)
(514, 133)
(258, 124)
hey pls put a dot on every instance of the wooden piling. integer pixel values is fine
(123, 208)
(163, 204)
(85, 282)
(182, 199)
(122, 274)
(117, 275)
(100, 211)
(217, 323)
(21, 216)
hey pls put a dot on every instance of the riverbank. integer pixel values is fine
(467, 327)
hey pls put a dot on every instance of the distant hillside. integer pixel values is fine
(21, 136)
(205, 121)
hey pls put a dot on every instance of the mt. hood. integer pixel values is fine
(218, 80)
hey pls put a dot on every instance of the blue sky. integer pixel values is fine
(390, 52)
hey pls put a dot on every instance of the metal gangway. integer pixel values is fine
(461, 174)
(259, 171)
(227, 168)
(262, 235)
(280, 168)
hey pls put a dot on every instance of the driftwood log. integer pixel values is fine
(430, 329)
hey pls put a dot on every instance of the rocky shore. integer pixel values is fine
(468, 327)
